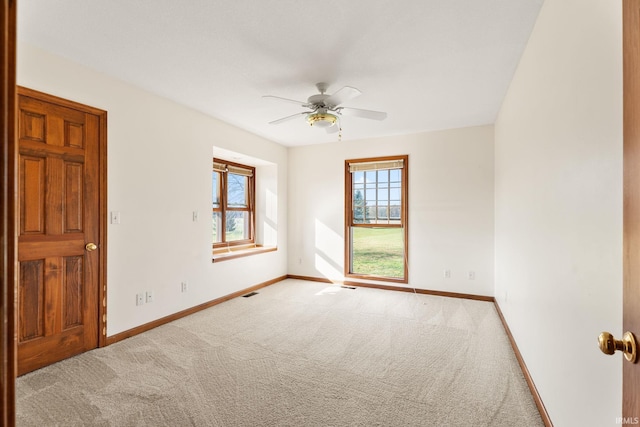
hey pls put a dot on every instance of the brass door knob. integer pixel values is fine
(609, 345)
(90, 247)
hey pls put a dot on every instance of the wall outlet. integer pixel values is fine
(447, 274)
(471, 275)
(184, 287)
(139, 299)
(148, 296)
(195, 216)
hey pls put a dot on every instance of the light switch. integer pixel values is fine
(115, 217)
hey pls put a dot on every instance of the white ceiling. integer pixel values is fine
(430, 64)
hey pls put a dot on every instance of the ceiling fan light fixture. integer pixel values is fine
(322, 120)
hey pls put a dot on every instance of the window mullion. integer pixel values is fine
(365, 200)
(377, 201)
(352, 200)
(389, 199)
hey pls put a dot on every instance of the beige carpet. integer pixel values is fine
(297, 354)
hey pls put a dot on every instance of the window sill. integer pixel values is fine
(376, 278)
(241, 252)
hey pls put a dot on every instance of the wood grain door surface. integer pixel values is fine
(58, 201)
(631, 290)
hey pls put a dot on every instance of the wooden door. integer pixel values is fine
(631, 291)
(59, 197)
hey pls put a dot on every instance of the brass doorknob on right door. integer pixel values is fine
(609, 345)
(90, 247)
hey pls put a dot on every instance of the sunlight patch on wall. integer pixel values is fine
(267, 191)
(270, 234)
(329, 252)
(327, 269)
(271, 210)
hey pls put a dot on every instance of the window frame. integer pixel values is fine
(351, 224)
(224, 208)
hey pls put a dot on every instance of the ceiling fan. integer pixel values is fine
(324, 110)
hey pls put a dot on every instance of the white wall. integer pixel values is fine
(159, 171)
(450, 207)
(559, 208)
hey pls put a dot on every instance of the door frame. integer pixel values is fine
(631, 190)
(8, 207)
(102, 202)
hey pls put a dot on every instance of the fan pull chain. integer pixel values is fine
(340, 134)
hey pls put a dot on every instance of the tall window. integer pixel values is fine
(233, 204)
(376, 218)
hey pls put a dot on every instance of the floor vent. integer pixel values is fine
(250, 294)
(348, 287)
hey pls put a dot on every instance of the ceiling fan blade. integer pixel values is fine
(301, 103)
(342, 95)
(284, 119)
(365, 114)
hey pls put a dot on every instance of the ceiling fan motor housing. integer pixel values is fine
(317, 99)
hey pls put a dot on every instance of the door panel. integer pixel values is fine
(31, 318)
(32, 201)
(59, 201)
(74, 174)
(631, 289)
(72, 296)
